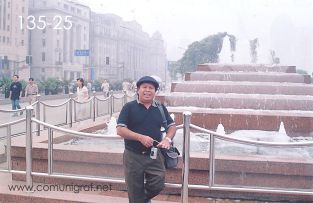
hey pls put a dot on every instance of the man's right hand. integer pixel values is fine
(146, 141)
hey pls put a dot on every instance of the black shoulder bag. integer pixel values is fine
(171, 154)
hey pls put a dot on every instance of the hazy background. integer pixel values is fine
(284, 26)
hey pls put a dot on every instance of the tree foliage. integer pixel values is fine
(52, 85)
(5, 83)
(205, 51)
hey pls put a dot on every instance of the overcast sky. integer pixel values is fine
(183, 21)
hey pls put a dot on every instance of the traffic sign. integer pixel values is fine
(81, 52)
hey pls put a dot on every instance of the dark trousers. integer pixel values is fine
(140, 168)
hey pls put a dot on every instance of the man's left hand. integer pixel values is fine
(164, 144)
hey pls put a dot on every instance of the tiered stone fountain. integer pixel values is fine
(251, 97)
(256, 98)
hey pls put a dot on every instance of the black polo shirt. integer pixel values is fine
(15, 88)
(137, 118)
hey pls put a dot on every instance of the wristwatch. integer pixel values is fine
(169, 140)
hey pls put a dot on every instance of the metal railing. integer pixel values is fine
(184, 186)
(75, 111)
(211, 185)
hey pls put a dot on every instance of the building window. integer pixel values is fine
(9, 4)
(44, 31)
(22, 42)
(43, 42)
(8, 28)
(43, 56)
(58, 43)
(65, 6)
(79, 12)
(23, 10)
(43, 70)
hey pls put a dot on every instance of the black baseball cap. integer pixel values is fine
(148, 79)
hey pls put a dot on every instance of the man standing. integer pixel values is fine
(105, 88)
(15, 94)
(139, 123)
(31, 91)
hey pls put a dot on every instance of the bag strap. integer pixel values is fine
(164, 122)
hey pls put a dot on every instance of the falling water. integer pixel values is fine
(282, 130)
(112, 126)
(220, 129)
(225, 55)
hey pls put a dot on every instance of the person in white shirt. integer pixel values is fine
(82, 96)
(125, 86)
(105, 88)
(31, 91)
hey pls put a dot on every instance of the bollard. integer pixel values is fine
(70, 109)
(94, 106)
(50, 151)
(29, 178)
(186, 156)
(212, 160)
(9, 162)
(38, 114)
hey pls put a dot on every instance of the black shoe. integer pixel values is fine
(148, 201)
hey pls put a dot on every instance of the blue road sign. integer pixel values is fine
(81, 52)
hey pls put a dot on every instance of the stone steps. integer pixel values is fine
(242, 87)
(246, 68)
(248, 76)
(238, 101)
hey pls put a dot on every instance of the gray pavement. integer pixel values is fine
(5, 117)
